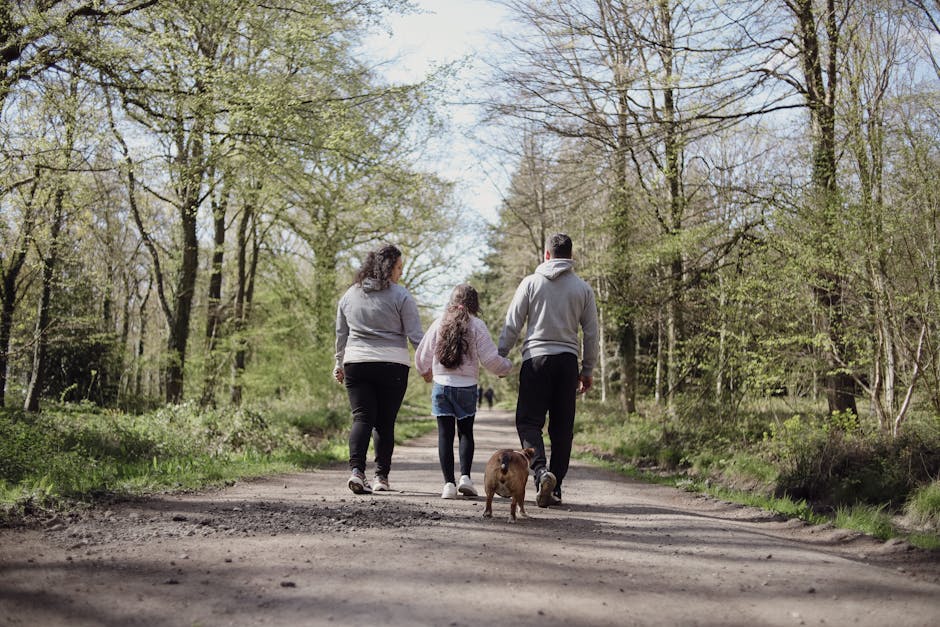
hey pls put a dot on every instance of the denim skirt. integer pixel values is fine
(451, 401)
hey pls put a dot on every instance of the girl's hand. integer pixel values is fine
(338, 374)
(428, 376)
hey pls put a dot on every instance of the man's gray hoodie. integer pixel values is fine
(555, 303)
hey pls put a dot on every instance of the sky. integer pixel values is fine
(440, 32)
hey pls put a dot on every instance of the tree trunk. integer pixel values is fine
(214, 306)
(722, 341)
(6, 325)
(244, 291)
(190, 160)
(820, 92)
(10, 287)
(40, 338)
(141, 345)
(627, 341)
(125, 382)
(603, 353)
(658, 378)
(182, 310)
(672, 150)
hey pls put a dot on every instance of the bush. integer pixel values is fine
(823, 462)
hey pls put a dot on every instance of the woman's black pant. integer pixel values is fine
(376, 390)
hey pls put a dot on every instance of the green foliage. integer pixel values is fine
(408, 428)
(803, 465)
(923, 506)
(74, 452)
(821, 461)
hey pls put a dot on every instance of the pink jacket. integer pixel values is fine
(482, 350)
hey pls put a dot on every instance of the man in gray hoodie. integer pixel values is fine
(553, 303)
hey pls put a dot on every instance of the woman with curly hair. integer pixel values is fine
(375, 319)
(450, 354)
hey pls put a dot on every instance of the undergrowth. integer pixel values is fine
(77, 453)
(795, 461)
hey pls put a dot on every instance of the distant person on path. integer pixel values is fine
(480, 396)
(488, 395)
(450, 354)
(553, 303)
(375, 319)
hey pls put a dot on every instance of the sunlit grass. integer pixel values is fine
(868, 519)
(69, 454)
(923, 507)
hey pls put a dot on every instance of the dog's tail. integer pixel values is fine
(504, 460)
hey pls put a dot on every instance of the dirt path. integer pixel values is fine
(303, 550)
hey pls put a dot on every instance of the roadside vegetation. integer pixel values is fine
(71, 455)
(783, 456)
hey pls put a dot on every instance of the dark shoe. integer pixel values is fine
(555, 498)
(546, 486)
(357, 482)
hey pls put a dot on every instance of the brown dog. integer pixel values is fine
(506, 474)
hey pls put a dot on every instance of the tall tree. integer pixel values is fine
(34, 37)
(642, 79)
(66, 119)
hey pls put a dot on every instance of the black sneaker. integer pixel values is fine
(546, 486)
(555, 498)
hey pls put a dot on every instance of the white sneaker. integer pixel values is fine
(450, 491)
(380, 484)
(465, 486)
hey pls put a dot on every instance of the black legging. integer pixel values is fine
(445, 445)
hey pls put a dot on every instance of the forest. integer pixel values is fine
(186, 188)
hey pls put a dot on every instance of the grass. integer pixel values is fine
(923, 508)
(77, 453)
(874, 521)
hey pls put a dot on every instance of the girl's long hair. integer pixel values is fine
(379, 265)
(453, 334)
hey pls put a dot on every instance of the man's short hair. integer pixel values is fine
(559, 245)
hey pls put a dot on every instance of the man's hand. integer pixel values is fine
(584, 383)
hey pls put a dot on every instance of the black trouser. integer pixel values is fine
(548, 384)
(376, 390)
(445, 445)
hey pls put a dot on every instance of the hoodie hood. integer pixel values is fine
(372, 285)
(554, 268)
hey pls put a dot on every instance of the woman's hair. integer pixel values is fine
(379, 265)
(453, 341)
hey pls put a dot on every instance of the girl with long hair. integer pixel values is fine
(375, 319)
(450, 354)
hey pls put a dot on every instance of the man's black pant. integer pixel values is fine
(376, 390)
(548, 384)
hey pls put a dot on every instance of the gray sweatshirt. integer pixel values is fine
(554, 302)
(377, 321)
